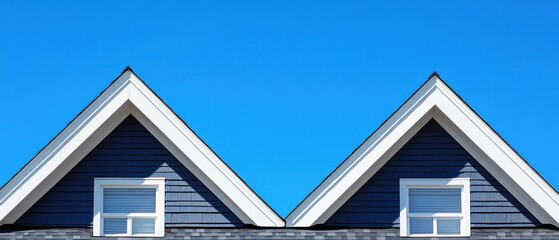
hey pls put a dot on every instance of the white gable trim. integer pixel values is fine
(434, 100)
(129, 95)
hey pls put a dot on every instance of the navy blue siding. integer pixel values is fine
(130, 151)
(431, 153)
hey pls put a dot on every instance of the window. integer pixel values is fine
(129, 207)
(435, 207)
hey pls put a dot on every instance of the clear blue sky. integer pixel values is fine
(282, 91)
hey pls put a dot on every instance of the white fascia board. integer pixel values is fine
(433, 100)
(129, 95)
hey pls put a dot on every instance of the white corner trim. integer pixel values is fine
(407, 183)
(129, 95)
(155, 182)
(434, 100)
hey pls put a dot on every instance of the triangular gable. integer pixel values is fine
(434, 100)
(129, 151)
(431, 153)
(128, 95)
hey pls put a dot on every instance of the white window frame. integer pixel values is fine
(159, 215)
(462, 183)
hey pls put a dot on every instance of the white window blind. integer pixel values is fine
(129, 200)
(421, 225)
(115, 225)
(435, 200)
(448, 226)
(143, 226)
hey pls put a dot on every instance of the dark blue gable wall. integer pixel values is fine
(431, 153)
(130, 151)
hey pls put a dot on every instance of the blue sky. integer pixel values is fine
(282, 91)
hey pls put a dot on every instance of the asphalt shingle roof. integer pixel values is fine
(279, 233)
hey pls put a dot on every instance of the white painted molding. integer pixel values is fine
(129, 95)
(434, 100)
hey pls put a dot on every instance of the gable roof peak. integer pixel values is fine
(125, 75)
(129, 95)
(126, 69)
(433, 100)
(434, 75)
(435, 79)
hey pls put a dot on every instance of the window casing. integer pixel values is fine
(129, 207)
(435, 207)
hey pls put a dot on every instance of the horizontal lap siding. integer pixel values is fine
(431, 153)
(130, 151)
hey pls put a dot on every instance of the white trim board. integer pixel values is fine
(128, 95)
(434, 100)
